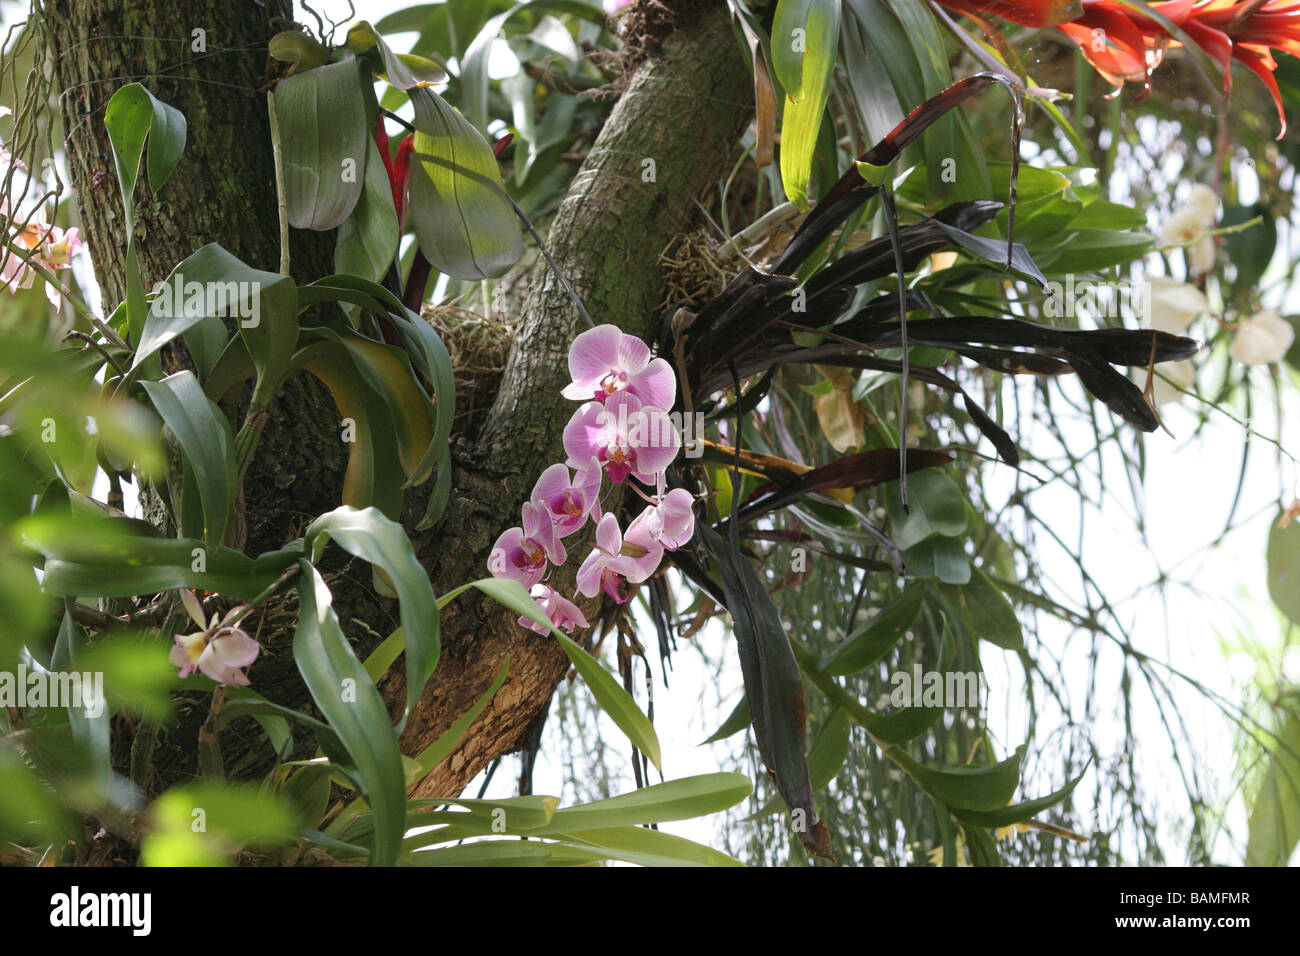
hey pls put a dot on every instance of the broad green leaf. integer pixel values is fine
(374, 473)
(400, 71)
(986, 612)
(969, 788)
(89, 717)
(204, 435)
(137, 675)
(612, 698)
(348, 700)
(1091, 250)
(805, 37)
(382, 542)
(464, 221)
(506, 853)
(308, 791)
(233, 816)
(872, 641)
(121, 557)
(1283, 558)
(367, 239)
(937, 508)
(322, 119)
(829, 750)
(1019, 812)
(660, 803)
(648, 847)
(133, 115)
(938, 557)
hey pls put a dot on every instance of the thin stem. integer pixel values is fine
(281, 199)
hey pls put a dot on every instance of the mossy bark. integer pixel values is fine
(664, 145)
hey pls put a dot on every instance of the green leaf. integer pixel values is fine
(138, 677)
(987, 613)
(354, 710)
(937, 508)
(322, 119)
(969, 788)
(1283, 558)
(660, 803)
(739, 719)
(308, 792)
(612, 698)
(232, 816)
(402, 72)
(462, 217)
(367, 239)
(133, 115)
(872, 641)
(938, 557)
(121, 557)
(829, 749)
(474, 64)
(1091, 250)
(204, 435)
(649, 847)
(1274, 826)
(382, 542)
(1250, 250)
(805, 37)
(374, 473)
(1017, 813)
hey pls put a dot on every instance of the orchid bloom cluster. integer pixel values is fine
(622, 430)
(218, 649)
(48, 245)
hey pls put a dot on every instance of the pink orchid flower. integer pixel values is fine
(625, 436)
(569, 500)
(605, 361)
(563, 613)
(670, 523)
(218, 651)
(617, 559)
(522, 553)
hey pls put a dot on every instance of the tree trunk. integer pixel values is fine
(682, 109)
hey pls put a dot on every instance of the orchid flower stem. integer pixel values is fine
(210, 764)
(281, 200)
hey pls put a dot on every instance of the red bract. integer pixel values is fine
(398, 169)
(1124, 44)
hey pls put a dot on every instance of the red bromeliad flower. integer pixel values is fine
(1124, 44)
(398, 168)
